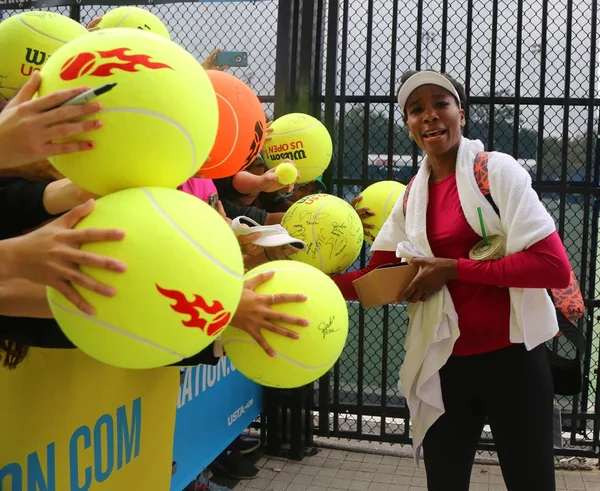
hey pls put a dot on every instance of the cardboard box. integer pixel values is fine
(384, 284)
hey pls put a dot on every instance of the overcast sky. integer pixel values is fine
(251, 26)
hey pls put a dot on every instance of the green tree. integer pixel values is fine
(378, 133)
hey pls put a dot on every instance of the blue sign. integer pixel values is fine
(215, 404)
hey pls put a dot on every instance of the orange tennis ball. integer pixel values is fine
(242, 126)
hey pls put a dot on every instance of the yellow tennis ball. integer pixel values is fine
(302, 139)
(183, 281)
(331, 229)
(134, 17)
(380, 198)
(298, 361)
(159, 121)
(286, 173)
(27, 41)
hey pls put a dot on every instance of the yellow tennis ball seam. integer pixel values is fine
(37, 31)
(312, 228)
(283, 355)
(185, 235)
(116, 329)
(130, 11)
(275, 134)
(162, 117)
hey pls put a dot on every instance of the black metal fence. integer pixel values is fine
(531, 73)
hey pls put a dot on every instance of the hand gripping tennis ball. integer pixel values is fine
(242, 125)
(134, 17)
(298, 361)
(286, 173)
(302, 139)
(331, 229)
(181, 287)
(380, 198)
(159, 120)
(27, 41)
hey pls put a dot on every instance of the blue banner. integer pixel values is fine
(215, 404)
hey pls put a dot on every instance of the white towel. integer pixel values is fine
(433, 325)
(432, 332)
(524, 221)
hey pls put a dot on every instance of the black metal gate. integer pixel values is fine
(531, 74)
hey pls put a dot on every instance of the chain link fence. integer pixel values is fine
(201, 27)
(531, 73)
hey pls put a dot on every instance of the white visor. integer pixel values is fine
(424, 78)
(270, 235)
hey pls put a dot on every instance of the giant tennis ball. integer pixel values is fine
(181, 287)
(159, 121)
(380, 198)
(303, 139)
(27, 41)
(242, 126)
(331, 229)
(134, 17)
(297, 361)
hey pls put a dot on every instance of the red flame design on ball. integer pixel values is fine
(102, 64)
(218, 317)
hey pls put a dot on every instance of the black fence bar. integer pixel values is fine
(329, 119)
(444, 47)
(518, 67)
(588, 280)
(494, 60)
(468, 62)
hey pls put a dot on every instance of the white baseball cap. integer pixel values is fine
(424, 78)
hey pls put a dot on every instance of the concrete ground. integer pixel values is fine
(335, 470)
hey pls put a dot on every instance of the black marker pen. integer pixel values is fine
(89, 95)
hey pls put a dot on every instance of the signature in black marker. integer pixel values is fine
(327, 328)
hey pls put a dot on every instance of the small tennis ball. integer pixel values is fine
(286, 173)
(27, 41)
(380, 199)
(135, 18)
(331, 229)
(181, 287)
(159, 121)
(297, 361)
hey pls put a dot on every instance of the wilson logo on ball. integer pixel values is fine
(218, 317)
(102, 63)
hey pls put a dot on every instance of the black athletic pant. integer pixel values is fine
(512, 387)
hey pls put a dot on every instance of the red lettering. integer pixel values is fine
(31, 70)
(311, 199)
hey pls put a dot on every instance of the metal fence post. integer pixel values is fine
(300, 48)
